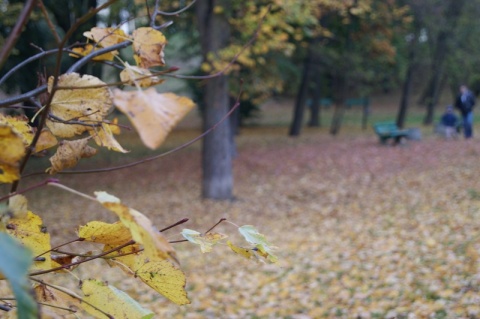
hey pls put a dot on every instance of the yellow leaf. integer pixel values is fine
(112, 301)
(103, 136)
(161, 275)
(114, 127)
(18, 206)
(106, 37)
(143, 232)
(20, 126)
(205, 242)
(134, 75)
(245, 252)
(88, 48)
(88, 106)
(105, 233)
(12, 150)
(148, 47)
(153, 114)
(31, 232)
(45, 141)
(69, 153)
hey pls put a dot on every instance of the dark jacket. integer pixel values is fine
(467, 105)
(449, 119)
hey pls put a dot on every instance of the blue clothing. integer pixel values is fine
(465, 103)
(449, 119)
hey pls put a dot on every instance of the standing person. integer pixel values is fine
(465, 102)
(449, 123)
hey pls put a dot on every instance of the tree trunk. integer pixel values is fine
(315, 107)
(301, 100)
(217, 179)
(407, 85)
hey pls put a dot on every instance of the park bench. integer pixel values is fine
(364, 102)
(324, 102)
(389, 130)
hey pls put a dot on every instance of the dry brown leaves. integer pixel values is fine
(364, 231)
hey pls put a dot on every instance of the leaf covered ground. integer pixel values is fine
(363, 230)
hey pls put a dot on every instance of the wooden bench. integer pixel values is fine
(389, 130)
(364, 102)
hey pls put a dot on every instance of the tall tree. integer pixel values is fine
(214, 29)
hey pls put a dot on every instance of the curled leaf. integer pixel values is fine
(75, 110)
(143, 232)
(69, 153)
(58, 299)
(148, 45)
(18, 206)
(205, 242)
(245, 252)
(20, 125)
(153, 114)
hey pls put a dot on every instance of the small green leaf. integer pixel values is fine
(265, 249)
(14, 264)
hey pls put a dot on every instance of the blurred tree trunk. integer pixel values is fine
(315, 107)
(217, 180)
(442, 49)
(339, 105)
(407, 84)
(302, 94)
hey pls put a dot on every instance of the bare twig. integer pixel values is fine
(174, 13)
(49, 22)
(17, 30)
(174, 225)
(23, 191)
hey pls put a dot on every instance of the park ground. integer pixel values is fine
(362, 230)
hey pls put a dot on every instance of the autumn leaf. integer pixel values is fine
(245, 252)
(153, 114)
(134, 75)
(148, 45)
(69, 153)
(20, 126)
(114, 127)
(45, 141)
(88, 106)
(30, 232)
(260, 241)
(141, 228)
(110, 300)
(88, 48)
(58, 299)
(103, 136)
(161, 275)
(12, 150)
(106, 37)
(205, 242)
(105, 233)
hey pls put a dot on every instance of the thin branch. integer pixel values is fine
(219, 222)
(49, 22)
(17, 30)
(5, 308)
(174, 13)
(25, 62)
(174, 225)
(95, 53)
(148, 159)
(23, 191)
(61, 245)
(41, 272)
(23, 97)
(73, 296)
